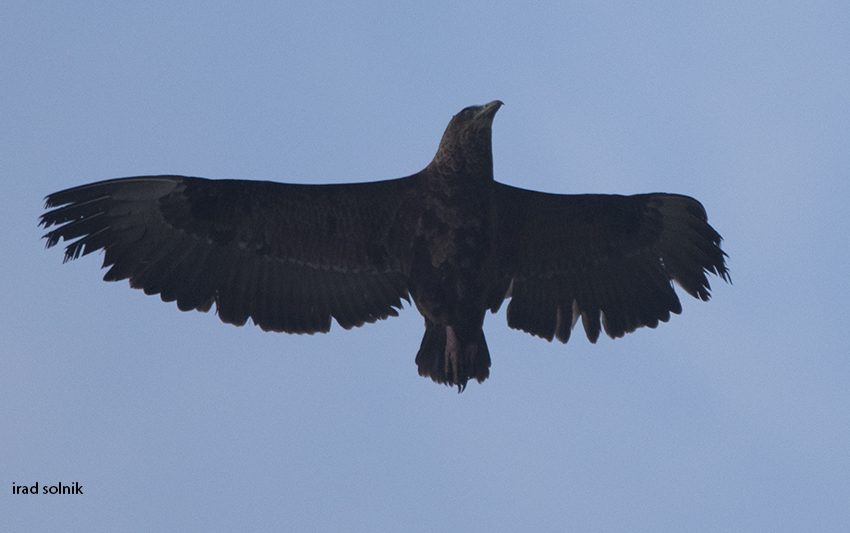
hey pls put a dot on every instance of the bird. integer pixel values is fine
(294, 257)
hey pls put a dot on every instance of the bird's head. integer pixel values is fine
(466, 142)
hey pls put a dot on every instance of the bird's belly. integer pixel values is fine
(453, 267)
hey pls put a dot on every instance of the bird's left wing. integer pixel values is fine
(290, 257)
(601, 257)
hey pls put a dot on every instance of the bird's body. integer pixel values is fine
(291, 257)
(454, 265)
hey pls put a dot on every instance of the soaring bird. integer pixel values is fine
(291, 257)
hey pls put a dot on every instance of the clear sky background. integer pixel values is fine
(733, 416)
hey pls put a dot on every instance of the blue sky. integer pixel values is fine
(731, 417)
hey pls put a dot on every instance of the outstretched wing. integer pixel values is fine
(602, 257)
(290, 257)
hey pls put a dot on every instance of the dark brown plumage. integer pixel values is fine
(291, 257)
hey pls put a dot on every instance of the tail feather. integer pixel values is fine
(453, 357)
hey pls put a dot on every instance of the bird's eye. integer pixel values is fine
(468, 112)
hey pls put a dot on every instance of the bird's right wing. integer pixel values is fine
(290, 257)
(605, 257)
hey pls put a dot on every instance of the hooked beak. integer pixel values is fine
(489, 110)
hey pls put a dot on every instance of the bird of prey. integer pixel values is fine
(291, 257)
